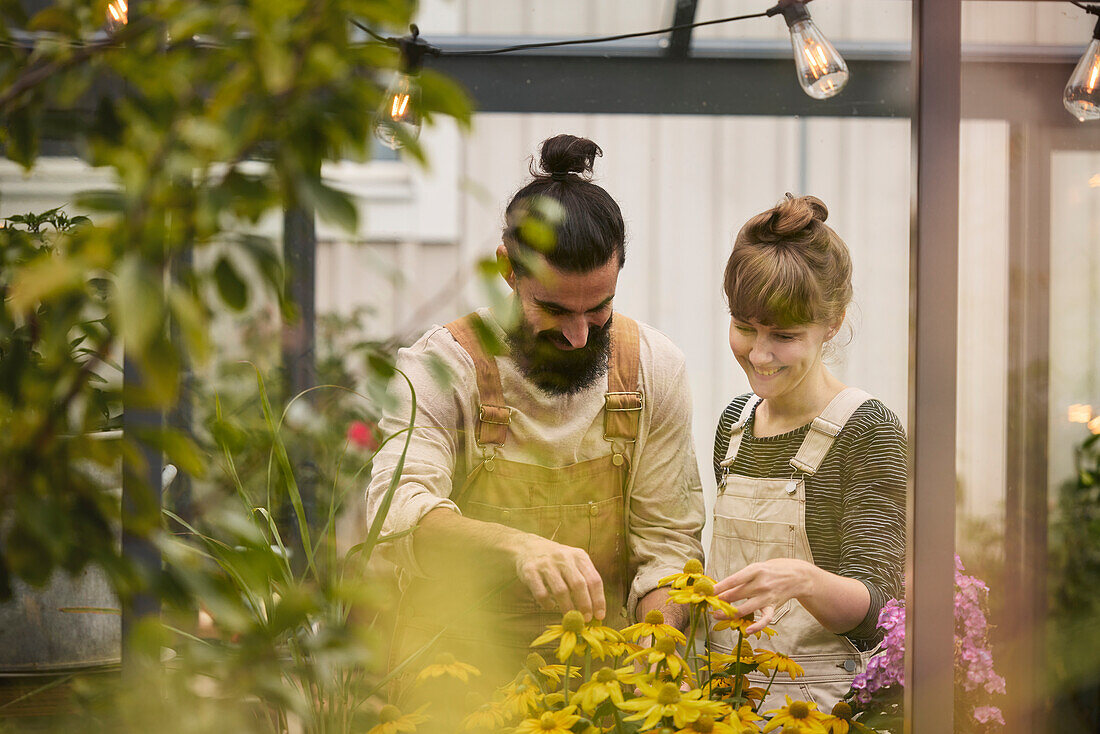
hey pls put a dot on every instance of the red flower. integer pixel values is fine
(362, 435)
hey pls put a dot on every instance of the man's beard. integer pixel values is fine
(555, 370)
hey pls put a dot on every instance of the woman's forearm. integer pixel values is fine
(839, 603)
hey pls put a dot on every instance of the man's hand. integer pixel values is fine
(560, 574)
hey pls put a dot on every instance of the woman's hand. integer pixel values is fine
(761, 587)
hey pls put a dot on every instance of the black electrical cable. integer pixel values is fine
(554, 44)
(1094, 9)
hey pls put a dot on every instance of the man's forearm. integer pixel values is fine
(444, 538)
(675, 614)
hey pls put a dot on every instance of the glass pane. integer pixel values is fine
(1028, 375)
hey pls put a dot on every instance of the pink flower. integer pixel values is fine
(986, 714)
(361, 434)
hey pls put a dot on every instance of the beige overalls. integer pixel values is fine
(581, 505)
(760, 519)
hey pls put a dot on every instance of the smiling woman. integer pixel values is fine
(809, 520)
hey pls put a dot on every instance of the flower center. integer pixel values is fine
(547, 722)
(694, 565)
(667, 645)
(573, 622)
(535, 662)
(746, 649)
(654, 616)
(842, 710)
(668, 695)
(703, 723)
(606, 675)
(389, 713)
(704, 587)
(799, 710)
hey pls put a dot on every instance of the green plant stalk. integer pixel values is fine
(618, 720)
(770, 681)
(565, 678)
(279, 449)
(737, 665)
(694, 626)
(387, 499)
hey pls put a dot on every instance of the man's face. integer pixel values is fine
(563, 336)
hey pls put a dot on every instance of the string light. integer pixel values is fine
(118, 14)
(1082, 94)
(821, 71)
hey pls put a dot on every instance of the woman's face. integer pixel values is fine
(778, 360)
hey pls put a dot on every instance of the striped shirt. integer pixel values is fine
(855, 503)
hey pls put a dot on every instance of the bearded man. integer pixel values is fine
(555, 470)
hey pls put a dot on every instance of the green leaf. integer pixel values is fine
(103, 200)
(331, 204)
(137, 304)
(231, 287)
(54, 19)
(44, 280)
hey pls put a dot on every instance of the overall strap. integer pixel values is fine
(623, 401)
(737, 431)
(493, 415)
(825, 428)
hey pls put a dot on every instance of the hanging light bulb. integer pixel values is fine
(398, 118)
(1082, 95)
(118, 13)
(821, 71)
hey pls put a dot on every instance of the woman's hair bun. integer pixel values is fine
(565, 154)
(794, 214)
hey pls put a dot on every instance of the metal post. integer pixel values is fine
(679, 43)
(299, 338)
(141, 504)
(1027, 430)
(929, 664)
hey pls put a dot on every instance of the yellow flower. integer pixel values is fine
(550, 722)
(605, 684)
(663, 649)
(445, 664)
(574, 636)
(707, 723)
(735, 623)
(769, 660)
(521, 696)
(799, 714)
(392, 721)
(840, 720)
(664, 700)
(744, 718)
(702, 592)
(654, 625)
(487, 716)
(693, 571)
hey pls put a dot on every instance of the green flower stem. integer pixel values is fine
(565, 678)
(737, 665)
(587, 666)
(694, 616)
(774, 673)
(618, 721)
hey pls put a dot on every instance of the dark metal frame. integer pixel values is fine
(934, 284)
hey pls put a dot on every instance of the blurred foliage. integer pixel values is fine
(1073, 649)
(209, 116)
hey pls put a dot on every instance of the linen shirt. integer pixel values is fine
(665, 503)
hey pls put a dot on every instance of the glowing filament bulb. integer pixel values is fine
(117, 13)
(821, 70)
(1082, 95)
(398, 119)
